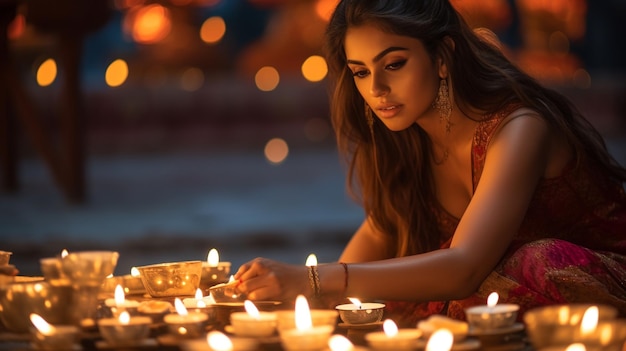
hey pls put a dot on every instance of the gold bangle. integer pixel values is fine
(314, 280)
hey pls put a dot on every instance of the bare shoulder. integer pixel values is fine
(525, 127)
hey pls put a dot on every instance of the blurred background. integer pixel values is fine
(164, 128)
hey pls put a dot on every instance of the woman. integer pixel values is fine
(474, 178)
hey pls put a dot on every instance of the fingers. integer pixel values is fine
(250, 269)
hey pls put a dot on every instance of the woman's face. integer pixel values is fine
(394, 74)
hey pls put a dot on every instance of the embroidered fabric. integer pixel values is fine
(571, 247)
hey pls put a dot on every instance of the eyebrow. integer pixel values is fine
(380, 54)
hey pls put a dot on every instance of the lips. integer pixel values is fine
(388, 110)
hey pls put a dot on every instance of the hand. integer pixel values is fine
(265, 279)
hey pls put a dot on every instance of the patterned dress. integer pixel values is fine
(571, 247)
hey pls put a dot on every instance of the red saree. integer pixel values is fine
(571, 247)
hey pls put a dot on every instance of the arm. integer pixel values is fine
(516, 159)
(367, 244)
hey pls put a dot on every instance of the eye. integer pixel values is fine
(396, 65)
(360, 73)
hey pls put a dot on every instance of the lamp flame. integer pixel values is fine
(119, 296)
(124, 318)
(590, 320)
(576, 347)
(390, 328)
(64, 253)
(180, 307)
(218, 341)
(303, 314)
(311, 260)
(252, 310)
(492, 300)
(44, 327)
(134, 272)
(199, 299)
(441, 340)
(213, 258)
(355, 302)
(339, 342)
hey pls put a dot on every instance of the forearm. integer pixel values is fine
(438, 275)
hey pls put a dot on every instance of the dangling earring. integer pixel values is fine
(369, 117)
(442, 104)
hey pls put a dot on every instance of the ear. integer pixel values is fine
(447, 47)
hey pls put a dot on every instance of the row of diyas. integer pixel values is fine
(188, 323)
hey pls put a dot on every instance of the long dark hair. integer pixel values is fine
(389, 172)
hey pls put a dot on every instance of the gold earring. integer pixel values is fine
(369, 117)
(442, 103)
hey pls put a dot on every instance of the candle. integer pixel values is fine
(340, 343)
(52, 270)
(185, 323)
(198, 301)
(440, 340)
(124, 330)
(392, 338)
(305, 336)
(119, 303)
(227, 292)
(360, 313)
(493, 315)
(252, 322)
(213, 271)
(49, 337)
(218, 341)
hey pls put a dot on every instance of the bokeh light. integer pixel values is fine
(314, 68)
(117, 73)
(213, 30)
(151, 23)
(47, 72)
(325, 8)
(192, 79)
(276, 150)
(17, 27)
(267, 78)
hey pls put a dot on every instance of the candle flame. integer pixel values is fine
(355, 302)
(563, 314)
(252, 310)
(119, 296)
(134, 272)
(218, 341)
(303, 314)
(576, 347)
(213, 258)
(390, 328)
(124, 318)
(441, 340)
(492, 300)
(109, 276)
(590, 320)
(44, 327)
(339, 342)
(180, 307)
(311, 260)
(64, 253)
(231, 279)
(199, 299)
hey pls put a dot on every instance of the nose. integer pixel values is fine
(378, 86)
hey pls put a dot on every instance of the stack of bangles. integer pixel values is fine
(314, 279)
